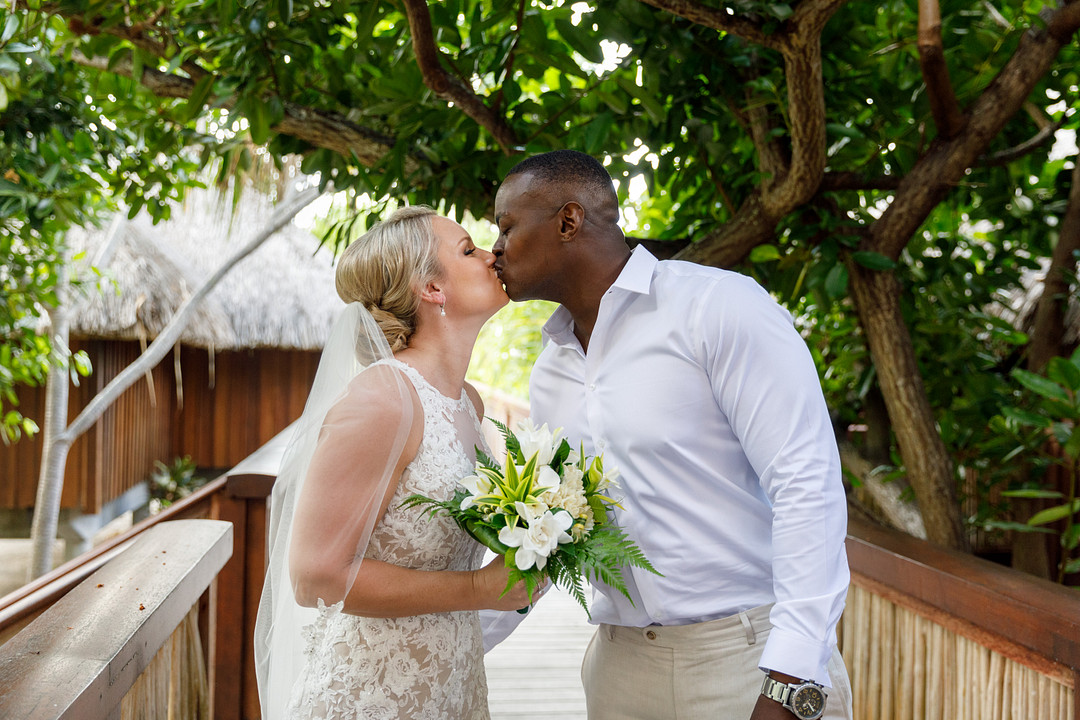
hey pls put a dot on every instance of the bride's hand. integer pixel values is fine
(489, 582)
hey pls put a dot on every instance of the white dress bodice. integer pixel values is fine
(420, 667)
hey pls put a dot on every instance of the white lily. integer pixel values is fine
(538, 440)
(475, 485)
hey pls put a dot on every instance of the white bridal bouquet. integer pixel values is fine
(546, 510)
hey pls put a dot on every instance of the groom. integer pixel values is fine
(693, 382)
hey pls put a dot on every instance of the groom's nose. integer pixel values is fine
(497, 248)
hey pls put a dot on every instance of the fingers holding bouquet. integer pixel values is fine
(498, 591)
(547, 512)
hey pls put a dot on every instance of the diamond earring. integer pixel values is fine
(442, 309)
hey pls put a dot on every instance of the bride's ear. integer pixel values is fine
(433, 293)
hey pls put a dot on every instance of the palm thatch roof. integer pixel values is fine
(281, 295)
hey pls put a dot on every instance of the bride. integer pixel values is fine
(369, 610)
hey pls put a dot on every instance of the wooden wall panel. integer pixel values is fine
(255, 395)
(114, 455)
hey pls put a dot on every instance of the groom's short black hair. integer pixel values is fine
(565, 167)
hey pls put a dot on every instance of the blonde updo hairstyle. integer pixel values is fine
(386, 269)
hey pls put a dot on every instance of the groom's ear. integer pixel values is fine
(571, 220)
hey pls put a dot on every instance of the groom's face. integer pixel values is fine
(527, 253)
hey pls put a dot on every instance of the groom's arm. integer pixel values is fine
(764, 380)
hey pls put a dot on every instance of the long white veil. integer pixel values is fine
(355, 344)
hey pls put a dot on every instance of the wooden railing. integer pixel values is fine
(928, 634)
(83, 655)
(227, 616)
(934, 634)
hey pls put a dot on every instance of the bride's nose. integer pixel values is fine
(489, 257)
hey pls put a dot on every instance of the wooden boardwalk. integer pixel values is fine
(535, 674)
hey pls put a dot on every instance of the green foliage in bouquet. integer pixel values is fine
(545, 511)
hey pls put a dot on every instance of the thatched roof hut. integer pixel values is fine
(239, 374)
(281, 295)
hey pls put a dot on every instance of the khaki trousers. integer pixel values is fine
(705, 671)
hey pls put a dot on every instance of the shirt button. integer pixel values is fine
(592, 386)
(651, 634)
(601, 444)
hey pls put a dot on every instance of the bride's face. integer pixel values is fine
(469, 280)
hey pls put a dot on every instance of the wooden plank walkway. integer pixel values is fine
(535, 674)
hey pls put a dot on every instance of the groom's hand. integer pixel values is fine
(767, 709)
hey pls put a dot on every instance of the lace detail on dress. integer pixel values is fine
(423, 667)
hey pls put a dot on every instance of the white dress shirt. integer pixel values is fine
(698, 388)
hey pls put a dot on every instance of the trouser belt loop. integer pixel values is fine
(751, 636)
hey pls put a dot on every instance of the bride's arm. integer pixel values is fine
(368, 439)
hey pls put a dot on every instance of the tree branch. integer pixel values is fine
(724, 20)
(448, 87)
(943, 105)
(857, 181)
(135, 34)
(319, 128)
(772, 160)
(946, 162)
(1045, 135)
(754, 223)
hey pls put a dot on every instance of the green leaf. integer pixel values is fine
(1072, 446)
(1040, 385)
(764, 253)
(836, 282)
(1032, 494)
(1026, 417)
(1064, 373)
(873, 260)
(1058, 512)
(843, 130)
(597, 131)
(580, 41)
(285, 10)
(11, 24)
(198, 97)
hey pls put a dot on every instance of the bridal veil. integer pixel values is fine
(355, 343)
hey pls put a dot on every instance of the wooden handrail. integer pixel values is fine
(1031, 620)
(34, 597)
(80, 657)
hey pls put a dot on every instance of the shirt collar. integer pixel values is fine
(636, 277)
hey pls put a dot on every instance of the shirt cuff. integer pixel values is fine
(797, 656)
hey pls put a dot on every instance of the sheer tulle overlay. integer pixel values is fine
(423, 667)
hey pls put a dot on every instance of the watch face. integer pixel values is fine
(808, 702)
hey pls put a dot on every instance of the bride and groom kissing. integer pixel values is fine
(691, 380)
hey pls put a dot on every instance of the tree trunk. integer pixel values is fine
(58, 441)
(54, 449)
(930, 471)
(1030, 552)
(1047, 336)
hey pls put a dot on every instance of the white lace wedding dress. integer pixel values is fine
(422, 667)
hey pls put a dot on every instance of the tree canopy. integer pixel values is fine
(885, 169)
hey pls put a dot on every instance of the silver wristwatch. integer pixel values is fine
(805, 699)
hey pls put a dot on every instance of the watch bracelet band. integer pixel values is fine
(783, 692)
(776, 690)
